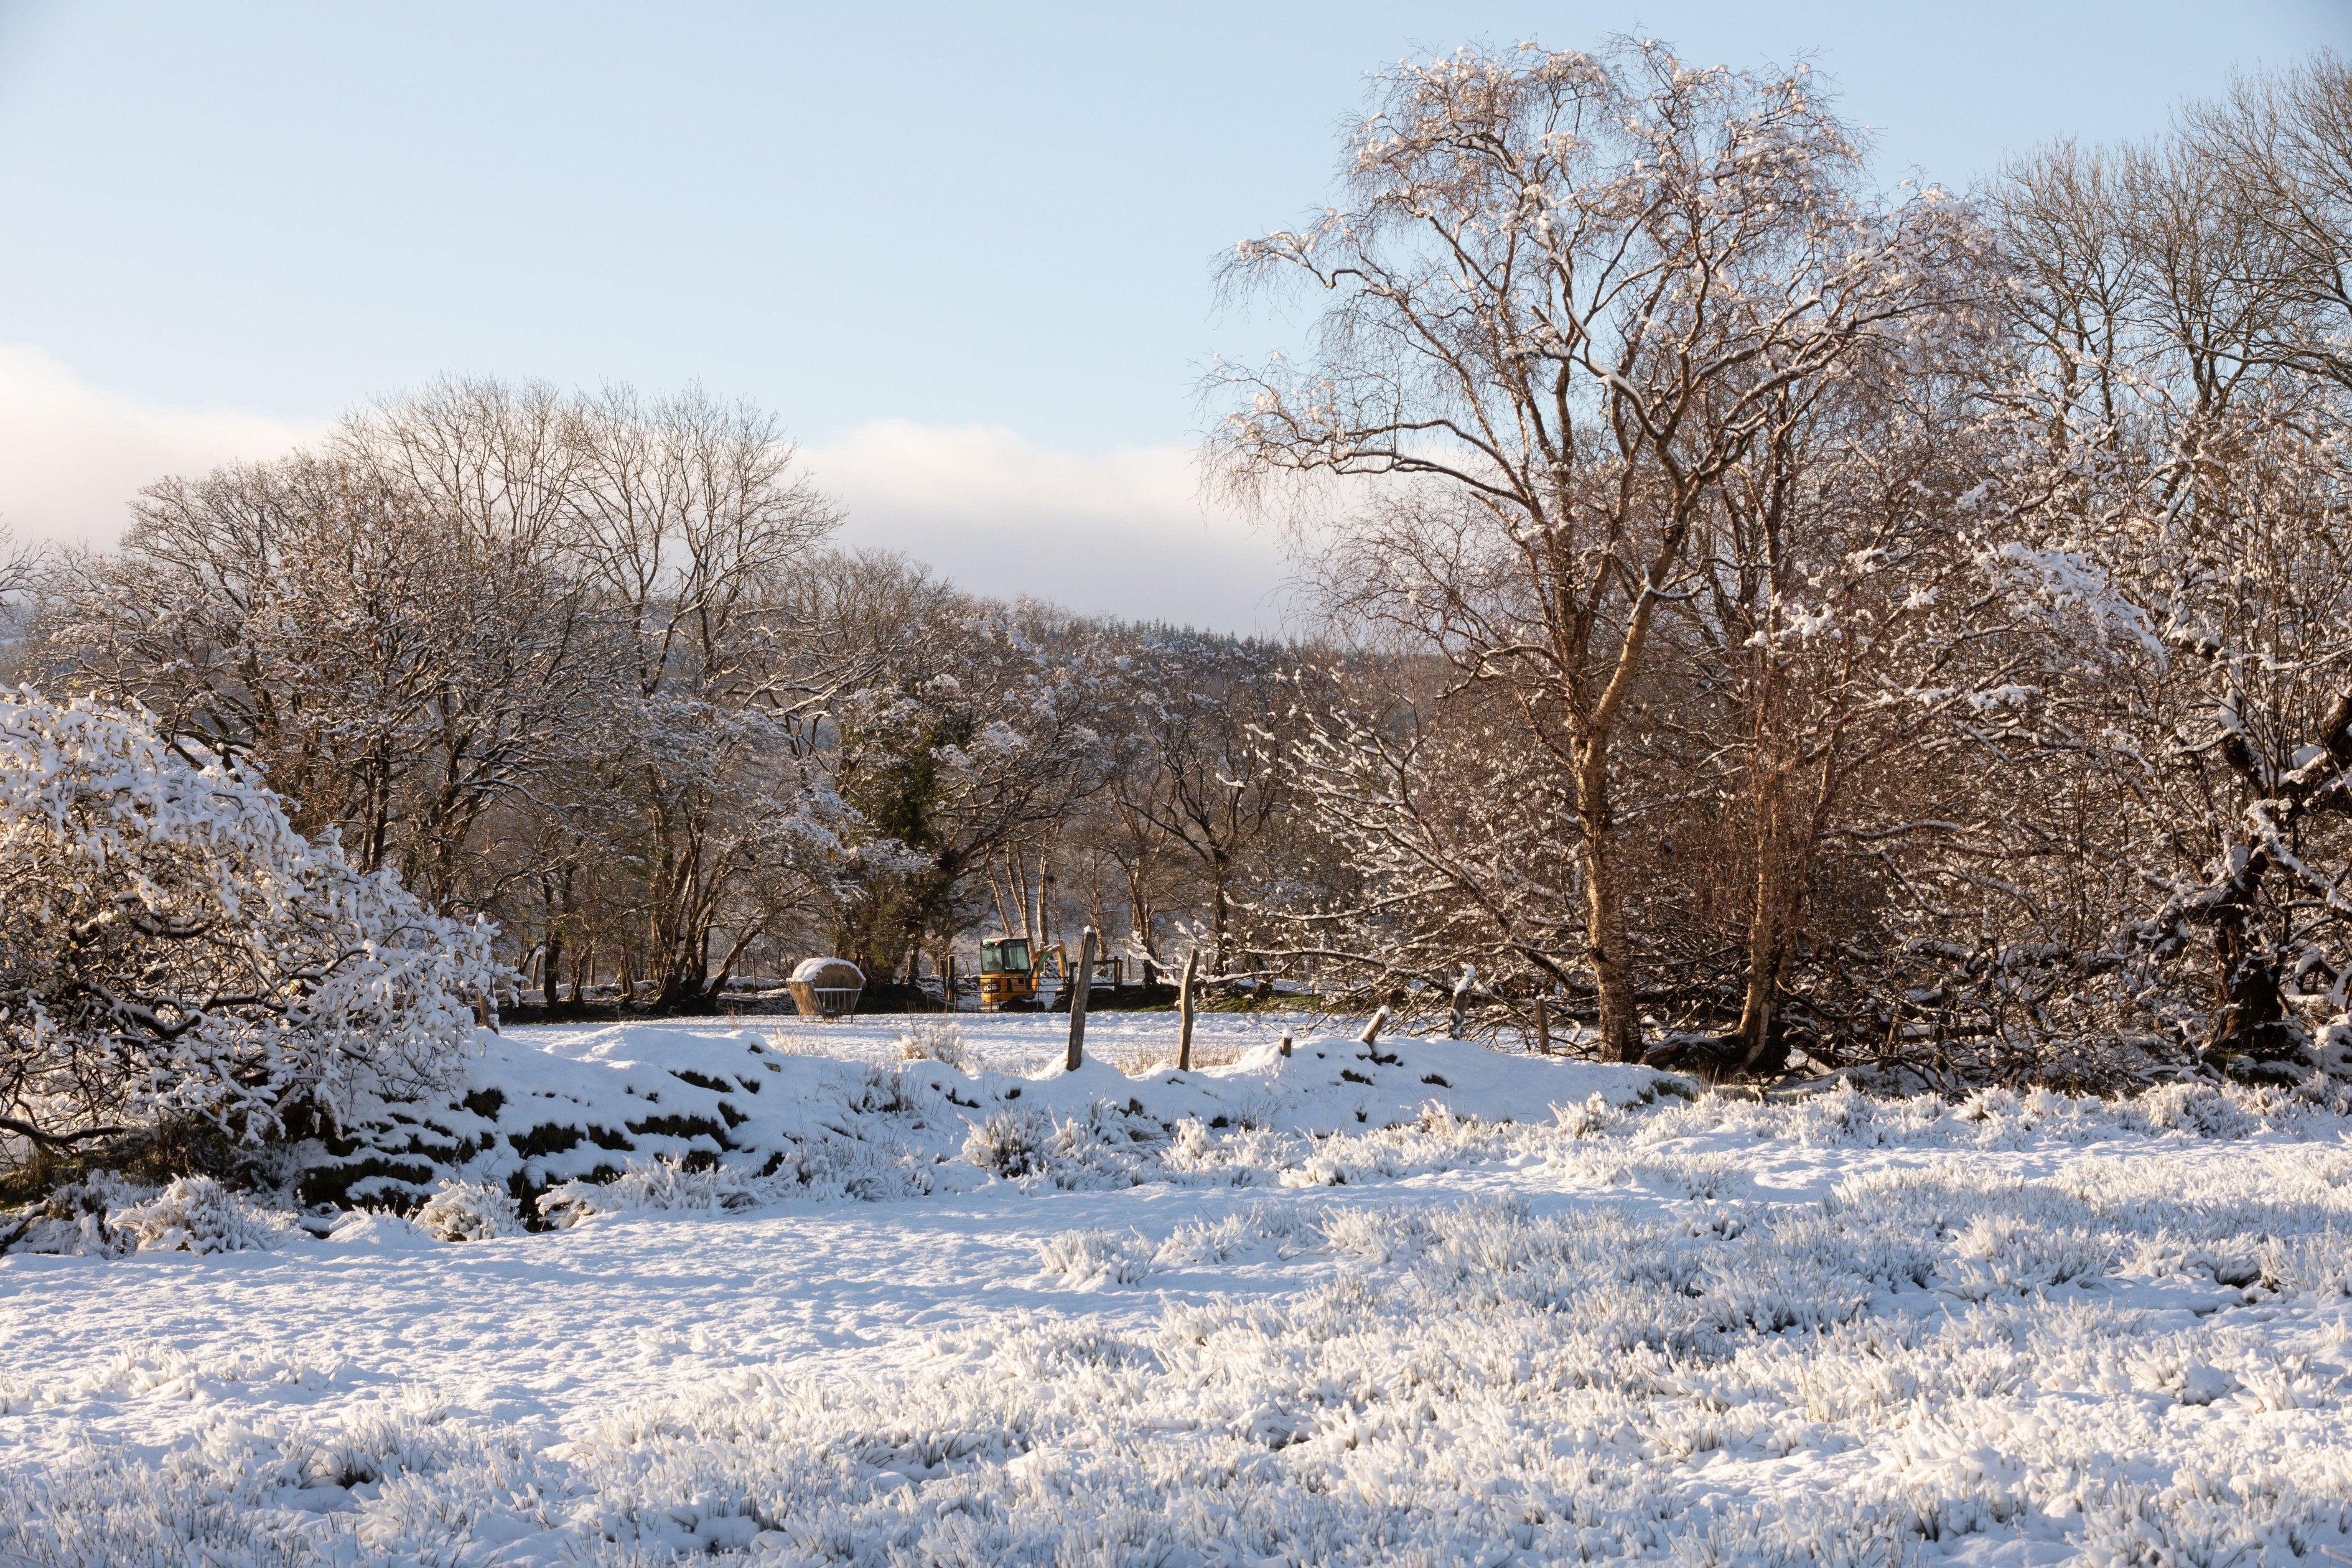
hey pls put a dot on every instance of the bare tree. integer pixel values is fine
(1203, 781)
(401, 644)
(688, 519)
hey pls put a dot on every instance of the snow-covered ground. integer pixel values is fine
(1621, 1322)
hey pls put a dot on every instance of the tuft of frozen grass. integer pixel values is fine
(1009, 1143)
(934, 1040)
(1140, 1058)
(803, 1041)
(1582, 1119)
(1046, 1152)
(1089, 1259)
(1290, 1228)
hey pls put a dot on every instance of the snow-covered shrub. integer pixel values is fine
(469, 1210)
(104, 1217)
(171, 949)
(196, 1213)
(70, 1221)
(659, 1185)
(1009, 1143)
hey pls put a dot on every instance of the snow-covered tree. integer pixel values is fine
(1569, 295)
(691, 520)
(171, 950)
(971, 745)
(2183, 488)
(1204, 722)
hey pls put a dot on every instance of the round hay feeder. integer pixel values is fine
(825, 987)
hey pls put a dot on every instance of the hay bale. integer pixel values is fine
(825, 987)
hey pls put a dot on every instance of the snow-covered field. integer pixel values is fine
(1071, 1330)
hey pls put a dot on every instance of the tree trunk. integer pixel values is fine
(551, 968)
(1604, 903)
(2253, 1004)
(1219, 903)
(996, 890)
(1017, 872)
(1766, 919)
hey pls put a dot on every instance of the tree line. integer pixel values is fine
(588, 666)
(1772, 617)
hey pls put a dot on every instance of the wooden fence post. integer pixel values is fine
(1078, 1001)
(1184, 1012)
(1372, 1035)
(1543, 1027)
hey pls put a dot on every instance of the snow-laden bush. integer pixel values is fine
(196, 1213)
(1067, 1153)
(469, 1210)
(664, 1186)
(171, 949)
(104, 1217)
(1009, 1143)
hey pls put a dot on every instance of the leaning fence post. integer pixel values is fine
(1373, 1030)
(1078, 1001)
(1461, 996)
(1184, 1012)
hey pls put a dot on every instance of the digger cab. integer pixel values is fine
(1008, 975)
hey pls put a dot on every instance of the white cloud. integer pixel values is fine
(1126, 533)
(72, 456)
(1122, 533)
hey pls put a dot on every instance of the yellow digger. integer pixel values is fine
(1009, 973)
(1011, 967)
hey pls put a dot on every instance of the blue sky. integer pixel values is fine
(926, 236)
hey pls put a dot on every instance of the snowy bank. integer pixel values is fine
(757, 1113)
